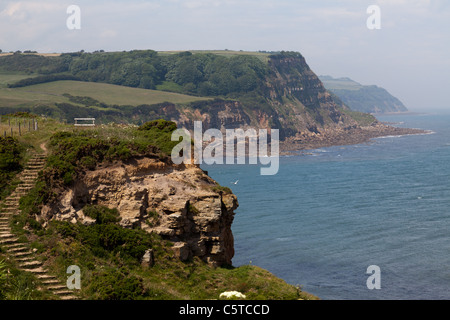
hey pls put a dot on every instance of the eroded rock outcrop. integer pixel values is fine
(180, 203)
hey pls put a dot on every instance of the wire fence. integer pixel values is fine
(17, 126)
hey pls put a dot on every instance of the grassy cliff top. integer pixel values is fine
(109, 255)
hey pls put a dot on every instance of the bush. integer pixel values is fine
(42, 79)
(11, 153)
(161, 125)
(101, 214)
(106, 238)
(116, 284)
(74, 152)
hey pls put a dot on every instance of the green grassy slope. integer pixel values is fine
(52, 92)
(108, 255)
(263, 56)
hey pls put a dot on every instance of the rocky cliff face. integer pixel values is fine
(293, 100)
(182, 204)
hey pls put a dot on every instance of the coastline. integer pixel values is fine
(343, 137)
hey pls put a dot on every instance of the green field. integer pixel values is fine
(52, 92)
(6, 78)
(263, 56)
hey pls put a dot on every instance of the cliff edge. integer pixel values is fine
(181, 204)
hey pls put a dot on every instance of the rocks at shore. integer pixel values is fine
(345, 136)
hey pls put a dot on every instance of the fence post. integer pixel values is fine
(20, 133)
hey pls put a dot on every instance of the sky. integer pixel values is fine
(409, 55)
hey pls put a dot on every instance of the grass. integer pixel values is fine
(11, 77)
(109, 258)
(109, 255)
(32, 140)
(264, 57)
(16, 284)
(52, 92)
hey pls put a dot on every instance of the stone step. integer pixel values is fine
(38, 270)
(57, 287)
(25, 258)
(10, 204)
(7, 215)
(8, 211)
(22, 254)
(30, 264)
(18, 189)
(45, 277)
(13, 245)
(50, 281)
(8, 240)
(63, 292)
(11, 199)
(19, 250)
(26, 184)
(69, 297)
(30, 174)
(6, 235)
(22, 193)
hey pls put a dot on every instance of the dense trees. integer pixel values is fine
(201, 74)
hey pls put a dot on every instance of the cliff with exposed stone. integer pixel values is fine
(180, 203)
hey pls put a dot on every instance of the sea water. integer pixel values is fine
(330, 213)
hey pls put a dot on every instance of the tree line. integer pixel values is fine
(202, 74)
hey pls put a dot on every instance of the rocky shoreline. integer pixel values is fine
(346, 136)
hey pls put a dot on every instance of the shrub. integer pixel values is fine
(116, 284)
(101, 214)
(10, 154)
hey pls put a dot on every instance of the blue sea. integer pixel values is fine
(332, 212)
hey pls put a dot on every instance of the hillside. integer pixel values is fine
(223, 89)
(370, 99)
(110, 201)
